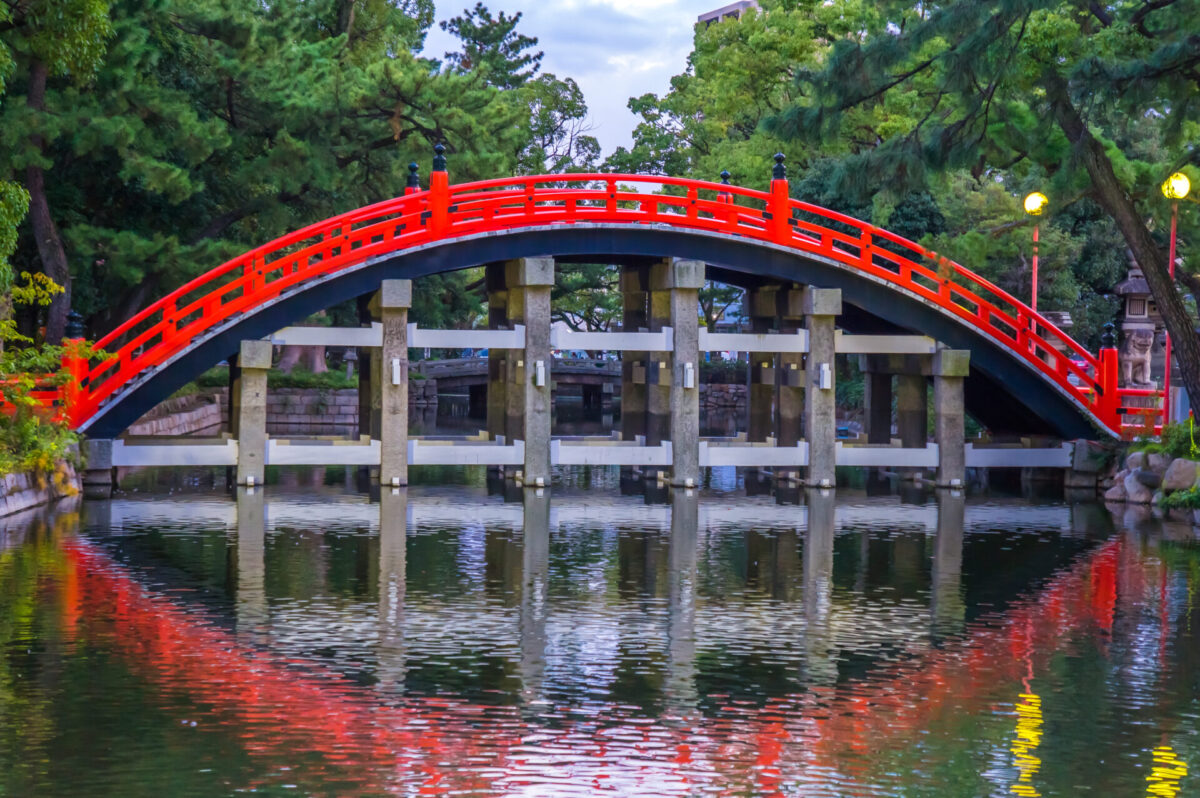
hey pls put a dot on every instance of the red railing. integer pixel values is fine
(174, 322)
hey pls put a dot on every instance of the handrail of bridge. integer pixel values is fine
(170, 325)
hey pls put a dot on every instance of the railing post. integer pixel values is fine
(439, 193)
(413, 184)
(1108, 403)
(75, 367)
(781, 212)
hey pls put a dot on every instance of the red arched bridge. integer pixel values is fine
(1026, 374)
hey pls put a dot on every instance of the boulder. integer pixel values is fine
(1135, 460)
(1148, 478)
(1135, 491)
(1180, 475)
(1158, 462)
(1116, 493)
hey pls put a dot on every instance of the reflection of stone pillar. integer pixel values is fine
(681, 602)
(393, 548)
(535, 556)
(818, 588)
(251, 563)
(946, 604)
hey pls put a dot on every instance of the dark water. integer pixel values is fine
(441, 641)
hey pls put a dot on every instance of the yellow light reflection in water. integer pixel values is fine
(1166, 773)
(1026, 741)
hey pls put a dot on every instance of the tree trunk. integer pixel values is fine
(1118, 204)
(45, 231)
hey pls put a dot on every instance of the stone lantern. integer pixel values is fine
(1142, 356)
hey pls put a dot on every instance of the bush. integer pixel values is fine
(1176, 440)
(1182, 500)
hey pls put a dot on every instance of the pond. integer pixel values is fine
(312, 639)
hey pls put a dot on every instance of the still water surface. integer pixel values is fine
(441, 641)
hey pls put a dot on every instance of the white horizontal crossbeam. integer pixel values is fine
(886, 456)
(467, 339)
(754, 342)
(179, 452)
(609, 453)
(748, 454)
(663, 341)
(883, 344)
(285, 452)
(465, 453)
(329, 336)
(1020, 457)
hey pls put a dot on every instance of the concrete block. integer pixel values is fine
(530, 272)
(255, 355)
(822, 301)
(98, 453)
(952, 363)
(395, 294)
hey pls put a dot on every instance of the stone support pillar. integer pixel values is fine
(950, 367)
(497, 380)
(877, 401)
(658, 364)
(635, 297)
(98, 472)
(760, 306)
(249, 419)
(394, 299)
(368, 373)
(530, 281)
(789, 426)
(683, 280)
(912, 415)
(821, 308)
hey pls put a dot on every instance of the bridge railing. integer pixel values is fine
(167, 327)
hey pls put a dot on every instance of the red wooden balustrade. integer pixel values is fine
(443, 212)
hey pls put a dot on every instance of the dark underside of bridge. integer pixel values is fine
(1002, 392)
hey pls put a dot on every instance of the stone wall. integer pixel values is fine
(185, 415)
(290, 411)
(723, 397)
(23, 491)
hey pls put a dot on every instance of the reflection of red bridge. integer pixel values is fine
(280, 710)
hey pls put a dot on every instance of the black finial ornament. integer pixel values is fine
(74, 327)
(780, 171)
(414, 181)
(724, 177)
(439, 159)
(1108, 339)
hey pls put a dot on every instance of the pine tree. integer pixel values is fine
(1064, 88)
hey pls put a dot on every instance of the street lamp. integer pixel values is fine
(1174, 188)
(1035, 203)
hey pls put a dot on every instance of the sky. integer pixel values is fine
(614, 49)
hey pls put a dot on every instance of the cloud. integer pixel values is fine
(614, 49)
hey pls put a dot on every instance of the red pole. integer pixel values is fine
(1033, 304)
(1166, 416)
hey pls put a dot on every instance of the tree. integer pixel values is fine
(213, 126)
(493, 48)
(1100, 98)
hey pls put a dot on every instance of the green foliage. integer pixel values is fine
(1177, 440)
(33, 437)
(1182, 499)
(492, 47)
